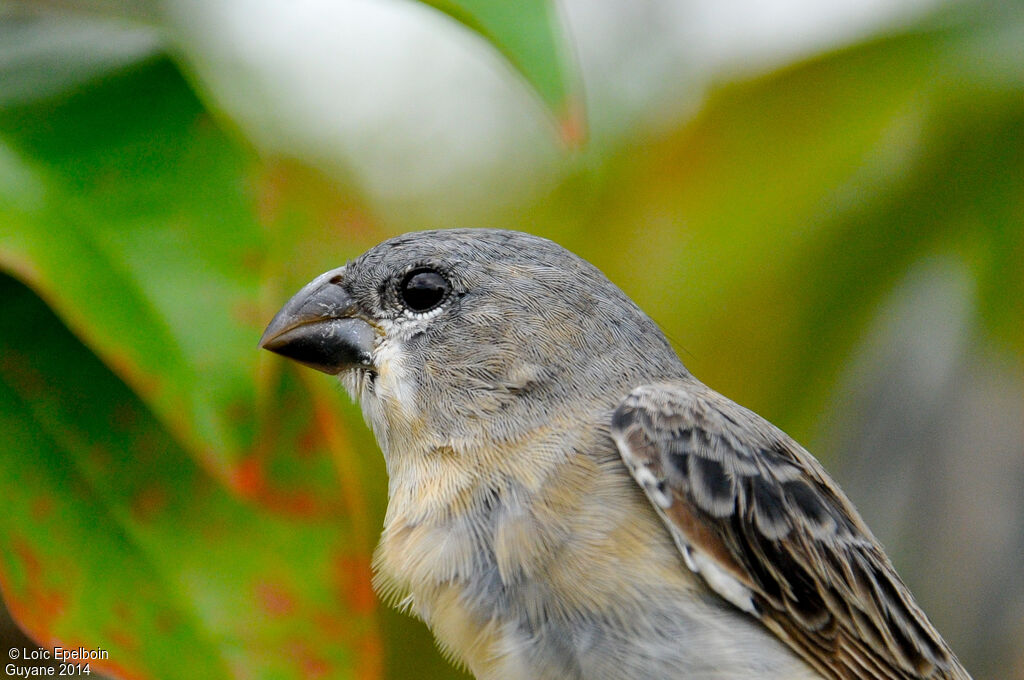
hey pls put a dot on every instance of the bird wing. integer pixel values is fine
(761, 522)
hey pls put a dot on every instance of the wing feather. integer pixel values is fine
(763, 524)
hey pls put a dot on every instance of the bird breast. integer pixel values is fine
(542, 559)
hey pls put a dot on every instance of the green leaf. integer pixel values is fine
(531, 36)
(103, 256)
(143, 236)
(113, 538)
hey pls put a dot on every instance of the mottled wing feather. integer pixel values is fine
(761, 522)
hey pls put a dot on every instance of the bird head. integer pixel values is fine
(440, 332)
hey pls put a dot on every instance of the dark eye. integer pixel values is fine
(423, 289)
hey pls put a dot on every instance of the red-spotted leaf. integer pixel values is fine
(113, 538)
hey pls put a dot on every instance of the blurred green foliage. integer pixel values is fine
(201, 510)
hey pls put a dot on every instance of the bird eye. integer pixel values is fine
(423, 289)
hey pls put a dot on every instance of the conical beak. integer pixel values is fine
(319, 327)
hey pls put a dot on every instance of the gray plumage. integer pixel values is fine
(516, 393)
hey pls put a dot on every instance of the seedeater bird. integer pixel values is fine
(567, 501)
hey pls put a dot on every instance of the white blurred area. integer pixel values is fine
(423, 116)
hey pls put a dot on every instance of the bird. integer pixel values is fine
(566, 500)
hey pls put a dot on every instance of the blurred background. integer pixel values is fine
(821, 203)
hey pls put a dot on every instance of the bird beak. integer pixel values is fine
(319, 328)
